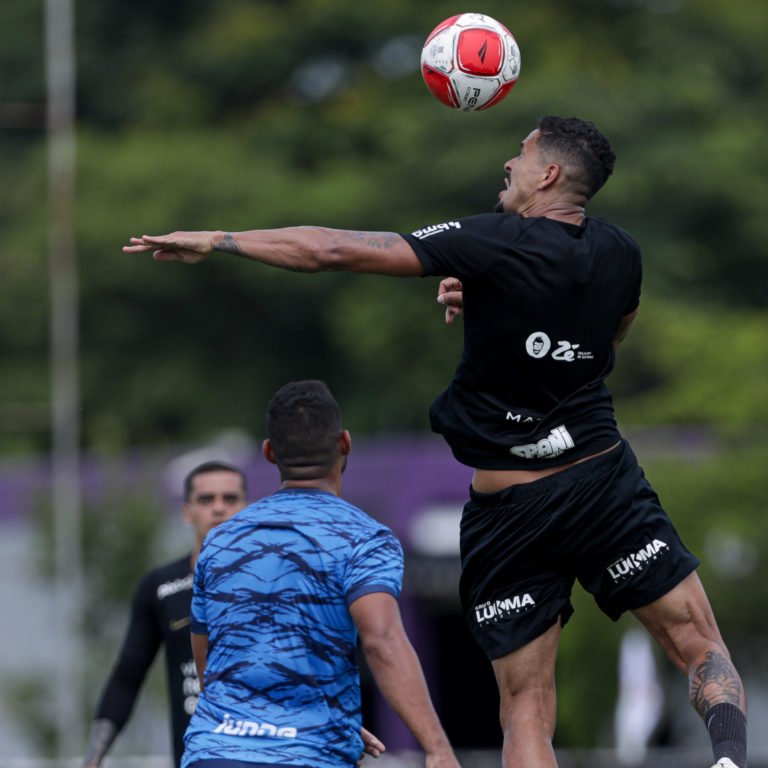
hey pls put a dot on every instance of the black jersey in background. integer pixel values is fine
(159, 616)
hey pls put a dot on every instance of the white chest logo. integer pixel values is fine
(538, 344)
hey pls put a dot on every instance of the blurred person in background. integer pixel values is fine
(282, 593)
(160, 610)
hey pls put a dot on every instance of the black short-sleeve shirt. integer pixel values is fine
(543, 300)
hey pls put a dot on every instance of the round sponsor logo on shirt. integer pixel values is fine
(537, 344)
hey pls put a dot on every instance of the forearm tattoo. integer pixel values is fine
(715, 681)
(228, 244)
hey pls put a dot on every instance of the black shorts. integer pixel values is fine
(522, 549)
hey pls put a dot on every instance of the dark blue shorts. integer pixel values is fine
(224, 763)
(598, 521)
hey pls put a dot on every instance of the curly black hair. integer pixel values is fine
(582, 145)
(303, 425)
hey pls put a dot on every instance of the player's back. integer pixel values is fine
(272, 587)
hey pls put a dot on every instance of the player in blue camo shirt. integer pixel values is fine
(281, 592)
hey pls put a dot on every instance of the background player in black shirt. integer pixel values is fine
(213, 492)
(557, 495)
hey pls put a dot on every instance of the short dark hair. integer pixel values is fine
(212, 466)
(582, 145)
(303, 426)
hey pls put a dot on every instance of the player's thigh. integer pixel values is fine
(682, 621)
(517, 572)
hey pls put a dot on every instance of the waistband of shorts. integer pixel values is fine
(223, 762)
(584, 469)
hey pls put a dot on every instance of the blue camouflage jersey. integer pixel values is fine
(272, 589)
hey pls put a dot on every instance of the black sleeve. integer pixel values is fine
(140, 646)
(637, 278)
(464, 248)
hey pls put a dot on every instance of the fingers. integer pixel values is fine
(450, 314)
(453, 301)
(371, 744)
(167, 256)
(449, 285)
(189, 247)
(450, 294)
(137, 245)
(137, 248)
(158, 255)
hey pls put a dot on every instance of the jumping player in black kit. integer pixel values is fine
(160, 612)
(557, 495)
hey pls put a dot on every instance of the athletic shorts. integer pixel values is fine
(598, 521)
(225, 763)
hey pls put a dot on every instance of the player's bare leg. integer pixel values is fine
(526, 680)
(684, 625)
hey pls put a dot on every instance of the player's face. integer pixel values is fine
(215, 497)
(522, 175)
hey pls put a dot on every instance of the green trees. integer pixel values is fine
(241, 114)
(200, 115)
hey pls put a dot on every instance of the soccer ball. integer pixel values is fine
(470, 61)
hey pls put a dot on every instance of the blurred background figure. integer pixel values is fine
(160, 611)
(639, 705)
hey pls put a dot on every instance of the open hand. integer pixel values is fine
(188, 247)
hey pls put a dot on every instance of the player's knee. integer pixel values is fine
(529, 709)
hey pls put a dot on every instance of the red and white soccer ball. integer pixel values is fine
(470, 61)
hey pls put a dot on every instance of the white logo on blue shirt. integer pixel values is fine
(233, 727)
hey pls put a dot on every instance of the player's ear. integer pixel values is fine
(550, 174)
(268, 451)
(345, 442)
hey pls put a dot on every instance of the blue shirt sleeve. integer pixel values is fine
(376, 566)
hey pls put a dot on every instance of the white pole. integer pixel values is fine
(64, 332)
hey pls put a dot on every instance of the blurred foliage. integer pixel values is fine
(242, 114)
(238, 115)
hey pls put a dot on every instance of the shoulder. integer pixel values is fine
(481, 223)
(348, 521)
(165, 580)
(598, 227)
(333, 518)
(175, 569)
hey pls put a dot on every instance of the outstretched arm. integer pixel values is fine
(300, 249)
(398, 674)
